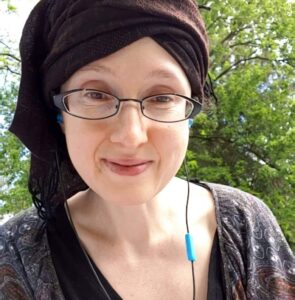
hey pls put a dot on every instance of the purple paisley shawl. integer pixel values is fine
(257, 261)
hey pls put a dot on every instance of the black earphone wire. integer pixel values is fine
(187, 223)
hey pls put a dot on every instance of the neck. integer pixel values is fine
(139, 225)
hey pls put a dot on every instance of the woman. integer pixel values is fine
(107, 91)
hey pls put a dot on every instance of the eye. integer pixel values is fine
(162, 101)
(96, 95)
(163, 98)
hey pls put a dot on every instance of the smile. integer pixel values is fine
(127, 167)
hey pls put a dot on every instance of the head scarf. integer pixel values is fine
(61, 36)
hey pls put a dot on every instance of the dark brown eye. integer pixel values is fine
(162, 100)
(95, 95)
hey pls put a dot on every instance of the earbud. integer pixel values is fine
(190, 123)
(59, 119)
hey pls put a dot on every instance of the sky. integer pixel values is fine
(11, 24)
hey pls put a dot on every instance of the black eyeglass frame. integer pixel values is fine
(58, 100)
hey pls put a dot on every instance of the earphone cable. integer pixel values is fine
(187, 224)
(187, 197)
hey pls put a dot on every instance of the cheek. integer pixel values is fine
(171, 144)
(82, 141)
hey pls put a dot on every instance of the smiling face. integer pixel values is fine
(128, 159)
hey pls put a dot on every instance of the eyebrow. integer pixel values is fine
(159, 73)
(97, 68)
(162, 73)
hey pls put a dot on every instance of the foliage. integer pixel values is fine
(247, 139)
(14, 162)
(8, 6)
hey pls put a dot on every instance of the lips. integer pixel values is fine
(127, 167)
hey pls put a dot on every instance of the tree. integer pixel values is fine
(247, 139)
(14, 158)
(14, 161)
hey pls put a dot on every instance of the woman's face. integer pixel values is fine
(128, 159)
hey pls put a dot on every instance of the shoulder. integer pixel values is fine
(25, 263)
(245, 214)
(241, 217)
(21, 232)
(256, 256)
(231, 195)
(16, 236)
(24, 223)
(235, 204)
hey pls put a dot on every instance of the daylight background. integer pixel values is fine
(247, 137)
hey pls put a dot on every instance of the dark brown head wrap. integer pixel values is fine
(61, 36)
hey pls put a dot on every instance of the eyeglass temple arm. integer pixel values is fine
(197, 108)
(57, 100)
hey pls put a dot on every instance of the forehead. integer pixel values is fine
(143, 60)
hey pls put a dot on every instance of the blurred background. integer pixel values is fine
(246, 137)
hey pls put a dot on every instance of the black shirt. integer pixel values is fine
(76, 278)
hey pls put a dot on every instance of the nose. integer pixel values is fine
(130, 126)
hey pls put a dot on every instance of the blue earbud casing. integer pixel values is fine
(59, 119)
(190, 248)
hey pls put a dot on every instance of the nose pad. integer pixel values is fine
(130, 127)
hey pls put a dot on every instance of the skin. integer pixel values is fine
(129, 163)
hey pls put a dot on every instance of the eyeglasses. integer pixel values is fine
(92, 104)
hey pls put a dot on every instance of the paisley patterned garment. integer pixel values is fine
(257, 262)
